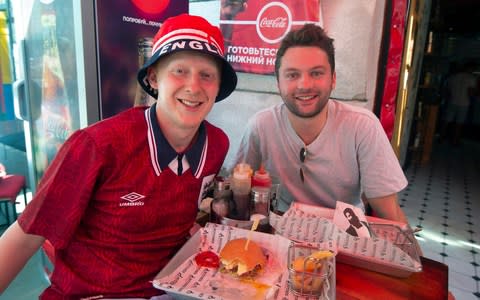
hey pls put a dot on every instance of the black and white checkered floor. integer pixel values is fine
(443, 198)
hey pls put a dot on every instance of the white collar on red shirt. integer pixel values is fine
(164, 156)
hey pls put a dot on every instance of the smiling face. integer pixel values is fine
(305, 80)
(188, 83)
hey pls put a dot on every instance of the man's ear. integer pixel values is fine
(152, 77)
(334, 80)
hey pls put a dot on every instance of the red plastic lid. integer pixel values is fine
(261, 177)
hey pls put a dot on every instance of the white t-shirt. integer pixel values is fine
(352, 154)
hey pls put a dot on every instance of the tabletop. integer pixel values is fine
(357, 283)
(353, 282)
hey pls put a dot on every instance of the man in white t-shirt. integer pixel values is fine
(320, 150)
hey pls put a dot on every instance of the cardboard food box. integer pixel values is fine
(393, 250)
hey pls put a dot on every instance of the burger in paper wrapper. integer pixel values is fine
(240, 262)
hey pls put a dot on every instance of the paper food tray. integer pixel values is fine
(393, 251)
(181, 278)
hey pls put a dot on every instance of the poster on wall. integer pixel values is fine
(125, 29)
(253, 29)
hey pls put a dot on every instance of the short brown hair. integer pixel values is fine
(309, 35)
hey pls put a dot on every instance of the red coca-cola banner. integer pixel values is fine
(254, 29)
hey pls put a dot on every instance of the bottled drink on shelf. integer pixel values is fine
(144, 46)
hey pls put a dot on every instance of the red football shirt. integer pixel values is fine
(113, 207)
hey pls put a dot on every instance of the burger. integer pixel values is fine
(234, 259)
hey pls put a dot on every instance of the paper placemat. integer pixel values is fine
(183, 279)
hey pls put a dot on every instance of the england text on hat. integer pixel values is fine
(189, 45)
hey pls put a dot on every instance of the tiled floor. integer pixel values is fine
(443, 197)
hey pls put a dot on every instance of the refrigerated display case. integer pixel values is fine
(78, 64)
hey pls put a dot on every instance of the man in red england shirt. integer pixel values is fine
(121, 195)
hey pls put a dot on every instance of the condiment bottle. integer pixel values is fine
(261, 207)
(241, 182)
(261, 178)
(221, 204)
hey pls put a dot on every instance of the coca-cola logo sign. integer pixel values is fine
(273, 22)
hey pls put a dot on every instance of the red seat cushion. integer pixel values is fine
(10, 186)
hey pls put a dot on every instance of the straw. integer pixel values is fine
(254, 227)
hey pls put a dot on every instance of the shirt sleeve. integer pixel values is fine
(380, 170)
(64, 191)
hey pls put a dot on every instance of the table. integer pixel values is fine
(357, 283)
(354, 283)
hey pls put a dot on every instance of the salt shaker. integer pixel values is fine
(221, 204)
(261, 207)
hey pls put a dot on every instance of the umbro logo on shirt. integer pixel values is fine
(132, 199)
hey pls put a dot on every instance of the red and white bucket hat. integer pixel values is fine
(188, 32)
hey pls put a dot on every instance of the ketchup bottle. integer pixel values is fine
(261, 178)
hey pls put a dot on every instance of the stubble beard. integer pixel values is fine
(290, 103)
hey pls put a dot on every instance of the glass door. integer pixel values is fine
(48, 97)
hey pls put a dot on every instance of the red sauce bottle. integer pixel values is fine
(261, 178)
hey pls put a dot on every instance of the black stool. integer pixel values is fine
(10, 187)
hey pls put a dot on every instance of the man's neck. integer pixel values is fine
(308, 129)
(179, 138)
